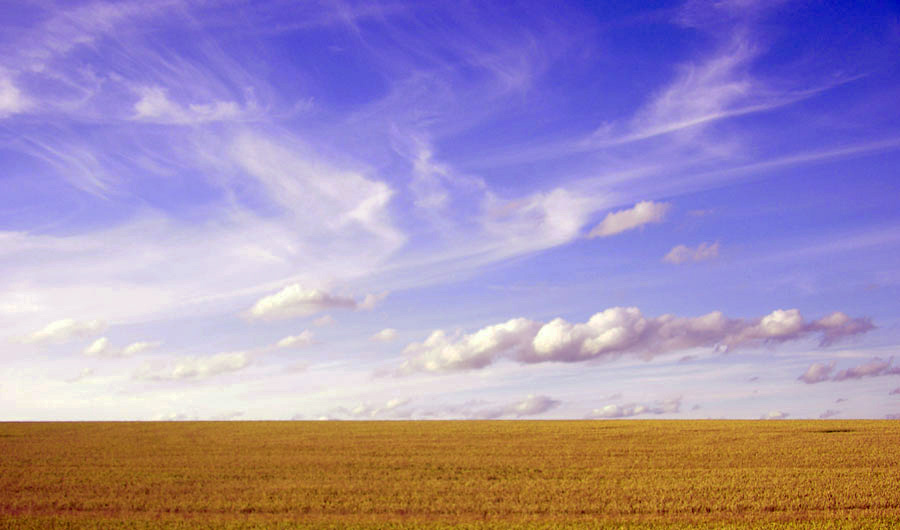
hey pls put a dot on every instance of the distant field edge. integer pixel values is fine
(58, 523)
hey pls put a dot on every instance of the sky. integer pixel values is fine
(276, 210)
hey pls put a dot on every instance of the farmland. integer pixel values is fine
(615, 474)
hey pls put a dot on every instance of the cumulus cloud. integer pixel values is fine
(681, 253)
(391, 409)
(830, 413)
(103, 348)
(610, 333)
(532, 405)
(296, 301)
(442, 352)
(385, 335)
(195, 367)
(304, 338)
(774, 415)
(397, 408)
(99, 347)
(873, 368)
(635, 409)
(838, 325)
(66, 330)
(642, 213)
(818, 372)
(139, 347)
(892, 417)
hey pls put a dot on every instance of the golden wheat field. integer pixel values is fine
(525, 474)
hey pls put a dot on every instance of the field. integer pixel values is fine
(607, 474)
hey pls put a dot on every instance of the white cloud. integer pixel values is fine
(610, 333)
(818, 372)
(323, 321)
(83, 374)
(394, 403)
(102, 348)
(532, 406)
(681, 253)
(393, 408)
(175, 416)
(633, 409)
(838, 325)
(398, 408)
(342, 208)
(155, 106)
(370, 301)
(895, 391)
(99, 347)
(774, 415)
(304, 338)
(139, 347)
(642, 213)
(830, 413)
(702, 93)
(12, 101)
(873, 368)
(66, 330)
(385, 335)
(195, 367)
(441, 352)
(537, 221)
(296, 301)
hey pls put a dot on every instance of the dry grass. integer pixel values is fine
(616, 474)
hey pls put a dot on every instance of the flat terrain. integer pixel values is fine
(615, 474)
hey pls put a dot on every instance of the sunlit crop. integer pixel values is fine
(629, 474)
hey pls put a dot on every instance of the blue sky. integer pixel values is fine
(364, 210)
